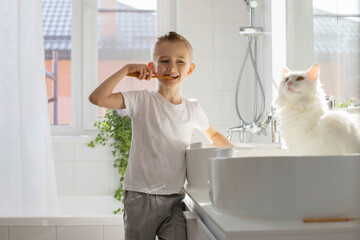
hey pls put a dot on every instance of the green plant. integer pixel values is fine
(115, 131)
(345, 104)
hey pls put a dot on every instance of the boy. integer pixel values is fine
(162, 123)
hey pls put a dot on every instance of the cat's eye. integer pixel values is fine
(300, 78)
(286, 79)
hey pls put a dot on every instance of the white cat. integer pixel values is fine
(307, 127)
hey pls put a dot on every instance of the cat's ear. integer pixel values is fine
(285, 70)
(313, 72)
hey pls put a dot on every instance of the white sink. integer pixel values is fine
(265, 182)
(287, 187)
(197, 166)
(198, 156)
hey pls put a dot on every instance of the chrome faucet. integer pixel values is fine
(252, 128)
(274, 122)
(330, 102)
(271, 120)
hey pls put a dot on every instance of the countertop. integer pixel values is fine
(228, 226)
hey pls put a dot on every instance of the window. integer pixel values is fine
(126, 33)
(337, 46)
(57, 42)
(89, 40)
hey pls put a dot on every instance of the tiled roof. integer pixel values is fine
(135, 32)
(333, 34)
(57, 24)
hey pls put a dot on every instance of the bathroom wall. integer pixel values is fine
(81, 170)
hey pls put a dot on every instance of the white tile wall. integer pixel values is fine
(64, 171)
(92, 177)
(114, 178)
(200, 35)
(82, 170)
(224, 108)
(230, 11)
(98, 153)
(103, 205)
(227, 41)
(226, 73)
(113, 232)
(32, 233)
(4, 233)
(96, 232)
(79, 233)
(64, 151)
(196, 11)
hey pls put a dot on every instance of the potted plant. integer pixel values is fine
(116, 132)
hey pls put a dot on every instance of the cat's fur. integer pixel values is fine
(307, 127)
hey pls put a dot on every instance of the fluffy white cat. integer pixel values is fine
(307, 127)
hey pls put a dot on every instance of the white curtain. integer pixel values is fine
(27, 175)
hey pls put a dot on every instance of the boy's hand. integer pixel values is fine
(144, 71)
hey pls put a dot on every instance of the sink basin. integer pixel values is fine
(197, 166)
(264, 181)
(286, 187)
(199, 154)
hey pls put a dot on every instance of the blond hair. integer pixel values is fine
(172, 37)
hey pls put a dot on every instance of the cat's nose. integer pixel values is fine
(288, 83)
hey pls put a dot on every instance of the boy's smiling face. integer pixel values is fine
(172, 59)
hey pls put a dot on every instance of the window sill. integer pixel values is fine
(72, 138)
(69, 132)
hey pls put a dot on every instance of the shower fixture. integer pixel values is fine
(251, 30)
(252, 33)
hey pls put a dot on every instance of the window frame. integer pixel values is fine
(84, 61)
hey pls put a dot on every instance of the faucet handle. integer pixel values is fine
(267, 120)
(330, 102)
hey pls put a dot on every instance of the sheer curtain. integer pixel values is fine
(27, 176)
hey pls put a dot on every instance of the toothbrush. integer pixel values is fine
(163, 77)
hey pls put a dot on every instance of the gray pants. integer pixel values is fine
(148, 215)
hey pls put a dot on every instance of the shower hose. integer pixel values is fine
(257, 115)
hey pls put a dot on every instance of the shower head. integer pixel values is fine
(251, 3)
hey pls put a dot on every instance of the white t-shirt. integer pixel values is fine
(161, 132)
